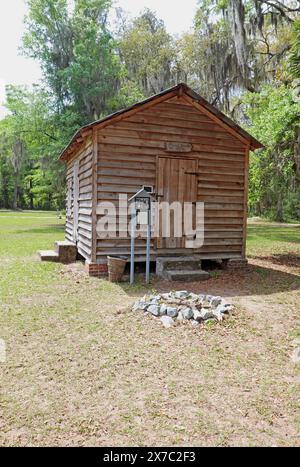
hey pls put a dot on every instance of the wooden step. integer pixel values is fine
(187, 276)
(49, 255)
(67, 251)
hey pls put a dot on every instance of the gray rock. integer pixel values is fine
(201, 296)
(206, 304)
(181, 294)
(216, 301)
(136, 306)
(163, 309)
(187, 313)
(207, 314)
(172, 311)
(226, 304)
(195, 323)
(172, 294)
(140, 305)
(165, 296)
(218, 315)
(154, 310)
(180, 316)
(154, 297)
(223, 309)
(197, 315)
(193, 297)
(155, 300)
(167, 321)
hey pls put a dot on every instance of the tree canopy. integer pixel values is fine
(241, 55)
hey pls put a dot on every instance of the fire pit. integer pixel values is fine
(184, 306)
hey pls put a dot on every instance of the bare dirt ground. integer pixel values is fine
(82, 369)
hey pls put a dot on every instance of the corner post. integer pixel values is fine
(148, 247)
(132, 244)
(245, 204)
(94, 195)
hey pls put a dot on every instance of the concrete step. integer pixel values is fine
(49, 255)
(67, 251)
(175, 263)
(187, 276)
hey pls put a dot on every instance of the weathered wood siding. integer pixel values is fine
(84, 228)
(127, 159)
(70, 201)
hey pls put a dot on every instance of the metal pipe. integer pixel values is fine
(132, 244)
(148, 247)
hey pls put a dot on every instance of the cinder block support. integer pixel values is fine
(96, 269)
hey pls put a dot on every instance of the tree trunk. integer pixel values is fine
(279, 208)
(30, 195)
(16, 192)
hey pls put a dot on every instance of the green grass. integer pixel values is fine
(22, 234)
(272, 239)
(82, 369)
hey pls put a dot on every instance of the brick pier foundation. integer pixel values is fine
(96, 269)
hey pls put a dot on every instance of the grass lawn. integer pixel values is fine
(82, 369)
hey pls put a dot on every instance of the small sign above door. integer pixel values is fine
(178, 147)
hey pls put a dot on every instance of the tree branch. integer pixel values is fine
(281, 8)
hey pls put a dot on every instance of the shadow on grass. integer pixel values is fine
(288, 260)
(263, 280)
(254, 280)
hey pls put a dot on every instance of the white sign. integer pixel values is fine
(142, 217)
(179, 147)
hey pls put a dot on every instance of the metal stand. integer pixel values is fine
(141, 203)
(148, 248)
(132, 243)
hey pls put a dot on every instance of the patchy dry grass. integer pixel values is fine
(82, 369)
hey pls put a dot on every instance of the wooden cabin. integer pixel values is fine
(177, 143)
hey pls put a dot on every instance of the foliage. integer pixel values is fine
(84, 79)
(149, 54)
(76, 52)
(242, 55)
(295, 51)
(274, 172)
(31, 137)
(242, 44)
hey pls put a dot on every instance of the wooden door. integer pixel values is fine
(176, 181)
(75, 200)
